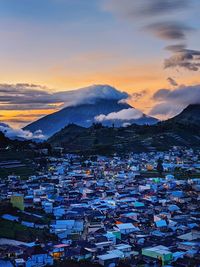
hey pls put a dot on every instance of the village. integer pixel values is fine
(137, 210)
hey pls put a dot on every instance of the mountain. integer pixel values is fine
(162, 136)
(102, 101)
(190, 115)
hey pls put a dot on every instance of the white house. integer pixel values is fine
(125, 249)
(126, 228)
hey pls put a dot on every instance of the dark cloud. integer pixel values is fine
(35, 97)
(144, 8)
(184, 95)
(156, 7)
(153, 13)
(29, 106)
(25, 96)
(172, 81)
(175, 48)
(169, 30)
(13, 120)
(171, 102)
(184, 58)
(28, 115)
(161, 94)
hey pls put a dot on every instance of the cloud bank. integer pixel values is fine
(169, 30)
(124, 114)
(32, 97)
(90, 95)
(171, 102)
(19, 133)
(26, 96)
(144, 8)
(183, 58)
(35, 97)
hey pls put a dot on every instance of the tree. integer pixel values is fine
(160, 168)
(96, 141)
(97, 126)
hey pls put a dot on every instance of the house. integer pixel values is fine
(6, 263)
(109, 259)
(79, 253)
(126, 228)
(19, 262)
(59, 251)
(193, 235)
(161, 253)
(48, 207)
(65, 228)
(125, 249)
(58, 211)
(111, 237)
(36, 256)
(161, 223)
(104, 245)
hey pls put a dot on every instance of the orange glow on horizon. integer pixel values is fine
(126, 77)
(20, 118)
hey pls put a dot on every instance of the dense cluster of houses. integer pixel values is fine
(108, 211)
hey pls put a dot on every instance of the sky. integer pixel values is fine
(147, 48)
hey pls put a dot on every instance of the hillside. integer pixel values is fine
(136, 138)
(7, 143)
(190, 115)
(19, 157)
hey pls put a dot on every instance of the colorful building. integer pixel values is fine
(17, 201)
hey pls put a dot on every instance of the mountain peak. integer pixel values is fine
(91, 94)
(104, 91)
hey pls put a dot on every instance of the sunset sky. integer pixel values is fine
(137, 46)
